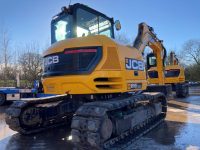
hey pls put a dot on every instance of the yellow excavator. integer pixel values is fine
(174, 74)
(94, 83)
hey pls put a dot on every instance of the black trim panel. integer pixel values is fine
(57, 69)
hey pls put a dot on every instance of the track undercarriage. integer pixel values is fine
(37, 114)
(107, 124)
(100, 124)
(182, 89)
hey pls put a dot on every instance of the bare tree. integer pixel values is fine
(190, 56)
(5, 48)
(123, 39)
(191, 51)
(192, 72)
(31, 63)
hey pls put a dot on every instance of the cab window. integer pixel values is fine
(61, 29)
(92, 24)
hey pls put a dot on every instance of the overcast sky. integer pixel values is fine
(174, 21)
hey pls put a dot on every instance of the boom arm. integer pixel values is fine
(147, 37)
(173, 59)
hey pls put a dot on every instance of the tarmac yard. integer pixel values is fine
(180, 130)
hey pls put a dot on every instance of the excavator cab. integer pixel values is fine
(79, 21)
(79, 60)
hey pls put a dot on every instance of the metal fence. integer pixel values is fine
(13, 83)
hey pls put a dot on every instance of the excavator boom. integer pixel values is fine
(147, 37)
(173, 59)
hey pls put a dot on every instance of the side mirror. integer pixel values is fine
(117, 25)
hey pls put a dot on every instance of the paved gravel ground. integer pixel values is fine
(180, 130)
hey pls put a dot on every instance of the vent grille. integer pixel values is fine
(108, 83)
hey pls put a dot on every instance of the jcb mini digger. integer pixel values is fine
(174, 74)
(98, 83)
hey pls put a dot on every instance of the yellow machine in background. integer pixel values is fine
(98, 84)
(174, 75)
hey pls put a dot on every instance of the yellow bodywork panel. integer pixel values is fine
(180, 78)
(114, 73)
